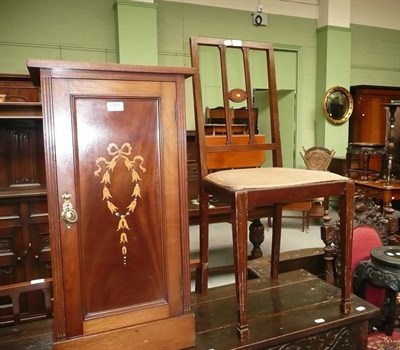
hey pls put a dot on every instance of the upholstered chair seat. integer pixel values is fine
(273, 178)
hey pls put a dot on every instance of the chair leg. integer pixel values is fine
(346, 214)
(307, 218)
(239, 235)
(201, 283)
(276, 240)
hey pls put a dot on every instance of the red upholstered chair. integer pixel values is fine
(366, 238)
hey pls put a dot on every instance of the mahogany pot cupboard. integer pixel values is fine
(115, 139)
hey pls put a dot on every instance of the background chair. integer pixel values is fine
(315, 158)
(318, 158)
(365, 238)
(371, 283)
(230, 167)
(371, 230)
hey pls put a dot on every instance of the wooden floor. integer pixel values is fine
(30, 335)
(280, 312)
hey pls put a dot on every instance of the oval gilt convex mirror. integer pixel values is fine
(338, 105)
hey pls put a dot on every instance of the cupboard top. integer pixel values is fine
(373, 89)
(34, 67)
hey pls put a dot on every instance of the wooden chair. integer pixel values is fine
(230, 167)
(318, 158)
(366, 238)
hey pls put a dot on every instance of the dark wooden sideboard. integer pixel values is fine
(368, 122)
(24, 232)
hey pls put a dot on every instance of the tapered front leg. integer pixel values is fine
(346, 213)
(201, 285)
(276, 240)
(239, 215)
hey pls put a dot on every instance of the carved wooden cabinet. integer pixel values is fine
(115, 146)
(368, 121)
(24, 233)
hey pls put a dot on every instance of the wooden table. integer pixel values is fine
(379, 191)
(364, 151)
(297, 310)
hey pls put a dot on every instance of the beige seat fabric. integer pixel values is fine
(270, 178)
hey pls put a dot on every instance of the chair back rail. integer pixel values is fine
(231, 150)
(241, 155)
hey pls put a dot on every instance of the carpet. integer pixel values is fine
(381, 341)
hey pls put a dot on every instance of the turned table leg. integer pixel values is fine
(256, 237)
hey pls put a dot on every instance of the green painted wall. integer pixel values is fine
(86, 30)
(136, 24)
(54, 29)
(375, 56)
(333, 69)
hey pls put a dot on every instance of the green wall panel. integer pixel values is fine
(375, 56)
(49, 29)
(137, 32)
(86, 30)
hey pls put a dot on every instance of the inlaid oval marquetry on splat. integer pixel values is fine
(237, 95)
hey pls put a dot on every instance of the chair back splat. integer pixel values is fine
(245, 170)
(237, 146)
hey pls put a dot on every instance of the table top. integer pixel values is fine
(367, 144)
(387, 255)
(379, 184)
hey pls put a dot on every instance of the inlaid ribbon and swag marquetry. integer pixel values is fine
(133, 166)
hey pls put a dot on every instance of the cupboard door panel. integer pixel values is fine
(373, 127)
(11, 255)
(120, 174)
(40, 251)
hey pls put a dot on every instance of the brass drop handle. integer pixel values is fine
(68, 213)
